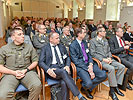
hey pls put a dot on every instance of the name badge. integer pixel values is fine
(65, 56)
(87, 50)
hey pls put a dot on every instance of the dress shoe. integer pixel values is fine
(118, 91)
(131, 82)
(129, 87)
(113, 95)
(82, 98)
(87, 93)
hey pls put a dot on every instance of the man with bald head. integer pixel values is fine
(56, 63)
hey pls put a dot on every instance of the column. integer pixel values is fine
(89, 9)
(1, 20)
(65, 11)
(75, 9)
(113, 10)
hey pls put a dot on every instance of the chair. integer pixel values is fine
(45, 84)
(22, 88)
(75, 71)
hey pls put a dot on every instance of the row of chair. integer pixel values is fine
(41, 75)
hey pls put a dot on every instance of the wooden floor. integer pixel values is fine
(102, 95)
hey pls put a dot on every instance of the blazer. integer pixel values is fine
(77, 55)
(128, 37)
(115, 49)
(45, 59)
(59, 32)
(99, 49)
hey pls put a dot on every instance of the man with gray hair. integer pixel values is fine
(66, 37)
(40, 39)
(119, 47)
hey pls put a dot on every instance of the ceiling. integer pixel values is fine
(81, 3)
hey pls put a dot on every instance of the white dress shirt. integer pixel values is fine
(53, 54)
(118, 39)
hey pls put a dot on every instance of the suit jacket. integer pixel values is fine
(92, 27)
(45, 59)
(115, 49)
(128, 37)
(99, 49)
(59, 32)
(76, 55)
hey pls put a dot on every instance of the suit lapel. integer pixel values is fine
(50, 51)
(115, 39)
(78, 46)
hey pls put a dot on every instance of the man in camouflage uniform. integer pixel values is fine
(17, 63)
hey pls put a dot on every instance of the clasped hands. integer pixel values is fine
(51, 72)
(107, 60)
(90, 70)
(20, 73)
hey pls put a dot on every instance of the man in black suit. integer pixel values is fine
(128, 36)
(87, 70)
(55, 61)
(58, 28)
(119, 47)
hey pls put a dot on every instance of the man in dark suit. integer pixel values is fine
(128, 36)
(91, 26)
(55, 61)
(58, 28)
(119, 47)
(87, 70)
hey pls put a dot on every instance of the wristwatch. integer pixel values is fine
(28, 70)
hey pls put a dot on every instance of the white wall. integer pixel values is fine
(126, 15)
(42, 9)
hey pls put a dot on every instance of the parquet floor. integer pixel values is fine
(102, 95)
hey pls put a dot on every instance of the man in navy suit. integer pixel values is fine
(55, 61)
(87, 70)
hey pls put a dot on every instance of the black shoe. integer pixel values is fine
(118, 91)
(82, 98)
(88, 94)
(129, 87)
(131, 82)
(113, 95)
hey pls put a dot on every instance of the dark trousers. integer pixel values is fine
(66, 82)
(128, 62)
(86, 79)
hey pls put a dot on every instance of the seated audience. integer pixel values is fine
(99, 48)
(56, 63)
(119, 48)
(88, 71)
(17, 63)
